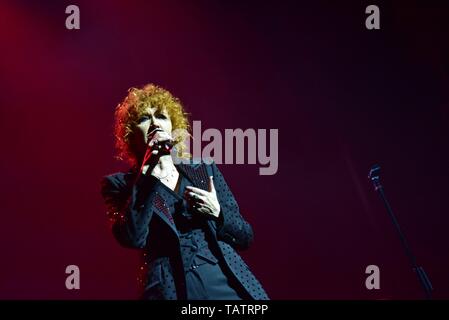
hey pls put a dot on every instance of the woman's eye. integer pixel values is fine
(143, 118)
(162, 116)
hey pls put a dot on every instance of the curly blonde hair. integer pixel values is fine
(129, 111)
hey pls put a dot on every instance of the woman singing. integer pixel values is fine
(182, 217)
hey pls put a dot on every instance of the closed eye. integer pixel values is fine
(143, 118)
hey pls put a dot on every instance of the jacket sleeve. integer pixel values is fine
(231, 226)
(129, 208)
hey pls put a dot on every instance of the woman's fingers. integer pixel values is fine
(161, 136)
(158, 137)
(203, 201)
(197, 190)
(196, 197)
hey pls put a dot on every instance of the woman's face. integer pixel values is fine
(151, 119)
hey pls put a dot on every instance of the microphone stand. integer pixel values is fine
(421, 274)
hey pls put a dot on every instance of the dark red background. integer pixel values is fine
(342, 97)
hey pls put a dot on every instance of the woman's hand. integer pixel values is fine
(205, 202)
(157, 151)
(156, 140)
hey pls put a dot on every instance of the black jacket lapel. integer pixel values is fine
(196, 173)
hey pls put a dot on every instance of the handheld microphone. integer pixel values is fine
(164, 146)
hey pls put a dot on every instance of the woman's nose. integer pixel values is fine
(155, 122)
(152, 119)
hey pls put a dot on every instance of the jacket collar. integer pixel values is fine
(195, 172)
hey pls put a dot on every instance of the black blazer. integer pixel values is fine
(133, 205)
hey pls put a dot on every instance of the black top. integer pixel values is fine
(205, 278)
(195, 250)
